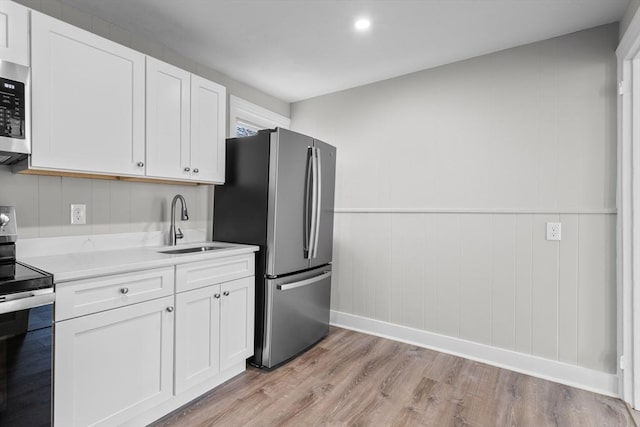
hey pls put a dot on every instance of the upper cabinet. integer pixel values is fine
(168, 94)
(208, 115)
(185, 125)
(14, 33)
(103, 108)
(88, 101)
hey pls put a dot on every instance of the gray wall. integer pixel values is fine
(446, 178)
(113, 206)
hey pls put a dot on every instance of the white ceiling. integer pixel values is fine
(297, 49)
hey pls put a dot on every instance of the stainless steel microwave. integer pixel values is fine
(15, 113)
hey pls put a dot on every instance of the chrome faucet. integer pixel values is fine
(173, 236)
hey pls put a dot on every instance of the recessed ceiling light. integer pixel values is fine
(362, 24)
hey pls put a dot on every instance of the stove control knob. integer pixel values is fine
(4, 220)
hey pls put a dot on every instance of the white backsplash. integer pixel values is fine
(47, 246)
(43, 205)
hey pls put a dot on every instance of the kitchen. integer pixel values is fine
(439, 242)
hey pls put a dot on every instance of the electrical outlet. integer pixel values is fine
(554, 231)
(78, 214)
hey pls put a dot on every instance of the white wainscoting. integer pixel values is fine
(487, 279)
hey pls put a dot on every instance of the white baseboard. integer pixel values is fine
(563, 373)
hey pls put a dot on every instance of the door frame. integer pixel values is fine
(628, 215)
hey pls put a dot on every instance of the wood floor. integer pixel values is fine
(353, 379)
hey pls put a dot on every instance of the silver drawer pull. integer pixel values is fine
(216, 295)
(169, 309)
(225, 293)
(124, 290)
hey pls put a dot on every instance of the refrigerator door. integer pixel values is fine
(297, 314)
(323, 243)
(289, 184)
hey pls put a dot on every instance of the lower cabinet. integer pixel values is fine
(236, 321)
(132, 360)
(113, 365)
(197, 336)
(214, 330)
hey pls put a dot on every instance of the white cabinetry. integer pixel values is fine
(104, 293)
(185, 125)
(113, 365)
(97, 109)
(214, 320)
(197, 336)
(214, 330)
(14, 33)
(168, 95)
(88, 101)
(208, 113)
(125, 354)
(236, 321)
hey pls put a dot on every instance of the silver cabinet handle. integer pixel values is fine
(225, 293)
(305, 282)
(187, 169)
(124, 290)
(216, 295)
(140, 164)
(169, 309)
(196, 170)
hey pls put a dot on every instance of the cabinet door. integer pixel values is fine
(14, 33)
(167, 120)
(208, 112)
(197, 336)
(114, 365)
(88, 101)
(236, 321)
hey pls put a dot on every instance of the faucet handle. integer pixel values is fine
(179, 234)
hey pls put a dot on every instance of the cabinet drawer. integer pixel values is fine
(205, 273)
(104, 293)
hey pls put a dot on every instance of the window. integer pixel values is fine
(246, 118)
(246, 129)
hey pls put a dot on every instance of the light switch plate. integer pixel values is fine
(554, 231)
(78, 214)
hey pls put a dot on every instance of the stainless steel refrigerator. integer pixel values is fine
(279, 195)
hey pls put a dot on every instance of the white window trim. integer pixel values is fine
(245, 111)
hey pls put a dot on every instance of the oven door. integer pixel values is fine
(26, 360)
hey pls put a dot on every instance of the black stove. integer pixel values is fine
(15, 276)
(26, 334)
(24, 278)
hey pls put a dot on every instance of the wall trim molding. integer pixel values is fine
(628, 203)
(576, 211)
(563, 373)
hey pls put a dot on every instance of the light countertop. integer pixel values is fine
(83, 265)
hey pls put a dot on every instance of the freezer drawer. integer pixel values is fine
(296, 315)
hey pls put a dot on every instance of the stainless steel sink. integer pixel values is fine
(204, 248)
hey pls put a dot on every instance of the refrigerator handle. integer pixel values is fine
(307, 212)
(314, 203)
(307, 282)
(318, 201)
